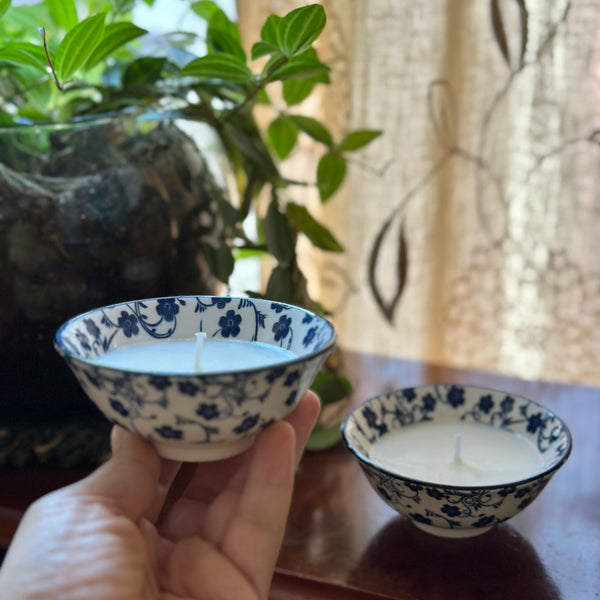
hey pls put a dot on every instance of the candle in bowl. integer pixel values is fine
(194, 355)
(456, 459)
(198, 376)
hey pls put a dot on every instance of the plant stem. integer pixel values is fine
(50, 63)
(260, 85)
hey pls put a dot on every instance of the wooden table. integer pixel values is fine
(343, 542)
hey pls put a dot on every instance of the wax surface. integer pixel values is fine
(489, 455)
(178, 356)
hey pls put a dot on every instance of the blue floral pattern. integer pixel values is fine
(196, 408)
(445, 507)
(230, 324)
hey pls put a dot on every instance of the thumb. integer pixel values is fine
(128, 481)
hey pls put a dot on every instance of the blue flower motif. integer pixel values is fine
(188, 388)
(221, 302)
(522, 492)
(83, 340)
(167, 308)
(507, 491)
(93, 379)
(415, 487)
(169, 432)
(159, 383)
(308, 318)
(483, 521)
(208, 411)
(277, 307)
(534, 422)
(371, 419)
(282, 327)
(420, 518)
(433, 493)
(118, 407)
(429, 402)
(291, 378)
(507, 404)
(486, 403)
(92, 328)
(451, 511)
(275, 374)
(230, 324)
(128, 323)
(246, 424)
(384, 493)
(524, 503)
(456, 396)
(291, 398)
(409, 394)
(310, 336)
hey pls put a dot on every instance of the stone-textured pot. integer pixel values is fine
(91, 214)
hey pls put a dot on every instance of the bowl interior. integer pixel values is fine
(391, 414)
(92, 334)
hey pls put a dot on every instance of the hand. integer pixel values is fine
(118, 534)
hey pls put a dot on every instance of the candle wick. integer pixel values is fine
(200, 337)
(457, 448)
(457, 458)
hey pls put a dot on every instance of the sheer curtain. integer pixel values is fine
(472, 226)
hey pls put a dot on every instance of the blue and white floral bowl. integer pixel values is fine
(196, 416)
(455, 510)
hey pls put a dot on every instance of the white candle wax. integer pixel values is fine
(182, 356)
(482, 455)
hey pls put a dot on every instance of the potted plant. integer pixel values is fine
(81, 76)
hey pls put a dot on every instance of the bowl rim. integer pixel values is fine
(67, 353)
(366, 461)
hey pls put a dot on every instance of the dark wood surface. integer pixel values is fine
(342, 541)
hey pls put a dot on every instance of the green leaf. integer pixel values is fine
(218, 66)
(296, 90)
(26, 19)
(278, 235)
(240, 134)
(206, 9)
(319, 235)
(282, 134)
(221, 40)
(6, 120)
(303, 66)
(270, 31)
(63, 13)
(115, 36)
(314, 129)
(229, 213)
(300, 28)
(4, 5)
(357, 139)
(280, 286)
(242, 253)
(25, 53)
(263, 48)
(125, 6)
(223, 35)
(331, 387)
(144, 71)
(330, 174)
(220, 260)
(40, 87)
(78, 44)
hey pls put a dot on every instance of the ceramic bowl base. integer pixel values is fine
(202, 452)
(451, 533)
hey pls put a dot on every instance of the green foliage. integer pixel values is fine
(64, 59)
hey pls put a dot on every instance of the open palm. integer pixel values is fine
(121, 534)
